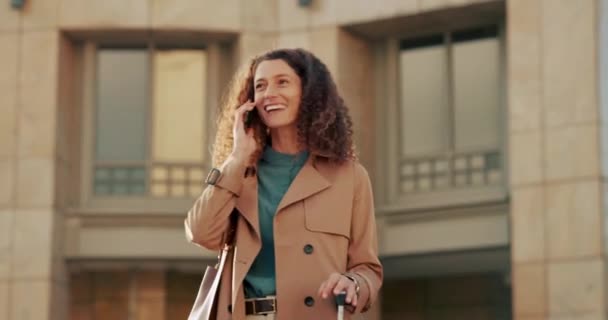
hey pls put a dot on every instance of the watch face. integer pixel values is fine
(213, 176)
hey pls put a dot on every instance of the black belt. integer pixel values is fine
(260, 306)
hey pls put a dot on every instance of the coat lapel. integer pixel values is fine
(247, 203)
(309, 181)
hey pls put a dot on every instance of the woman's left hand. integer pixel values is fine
(337, 283)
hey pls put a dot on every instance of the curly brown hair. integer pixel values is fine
(324, 126)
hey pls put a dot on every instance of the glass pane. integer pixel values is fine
(102, 174)
(424, 101)
(178, 174)
(424, 168)
(477, 178)
(461, 179)
(101, 189)
(495, 176)
(138, 188)
(120, 188)
(441, 182)
(121, 174)
(460, 163)
(196, 175)
(408, 186)
(160, 173)
(178, 190)
(122, 78)
(441, 166)
(159, 190)
(476, 94)
(424, 184)
(492, 160)
(179, 107)
(477, 162)
(138, 174)
(119, 180)
(408, 170)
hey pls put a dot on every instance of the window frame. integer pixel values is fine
(389, 197)
(219, 61)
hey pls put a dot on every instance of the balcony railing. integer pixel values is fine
(163, 180)
(451, 171)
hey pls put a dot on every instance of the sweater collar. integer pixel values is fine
(274, 157)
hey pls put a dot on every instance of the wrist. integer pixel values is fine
(353, 278)
(238, 158)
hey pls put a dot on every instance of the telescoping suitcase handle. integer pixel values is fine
(340, 300)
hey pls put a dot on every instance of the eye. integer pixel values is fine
(259, 86)
(283, 81)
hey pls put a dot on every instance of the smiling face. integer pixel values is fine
(278, 92)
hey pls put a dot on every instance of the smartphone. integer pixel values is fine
(249, 118)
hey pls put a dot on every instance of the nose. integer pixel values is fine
(270, 91)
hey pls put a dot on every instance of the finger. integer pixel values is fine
(326, 289)
(322, 288)
(247, 106)
(350, 292)
(239, 115)
(330, 284)
(342, 285)
(355, 299)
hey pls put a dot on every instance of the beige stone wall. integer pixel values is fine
(557, 185)
(559, 268)
(40, 122)
(31, 263)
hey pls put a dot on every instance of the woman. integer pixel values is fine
(305, 227)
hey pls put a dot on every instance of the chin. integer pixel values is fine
(279, 124)
(275, 125)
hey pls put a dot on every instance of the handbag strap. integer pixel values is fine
(230, 235)
(229, 241)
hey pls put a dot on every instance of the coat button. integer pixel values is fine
(229, 308)
(308, 249)
(309, 301)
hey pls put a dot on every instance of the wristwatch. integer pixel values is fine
(353, 279)
(213, 176)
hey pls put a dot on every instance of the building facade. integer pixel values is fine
(481, 123)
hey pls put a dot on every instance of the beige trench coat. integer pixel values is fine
(324, 223)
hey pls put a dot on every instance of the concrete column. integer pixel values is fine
(557, 189)
(32, 280)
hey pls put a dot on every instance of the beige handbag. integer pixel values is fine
(205, 304)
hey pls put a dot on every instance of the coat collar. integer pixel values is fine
(307, 182)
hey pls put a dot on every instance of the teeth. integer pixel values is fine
(273, 107)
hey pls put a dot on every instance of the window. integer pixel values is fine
(148, 124)
(449, 110)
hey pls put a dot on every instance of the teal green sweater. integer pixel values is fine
(275, 173)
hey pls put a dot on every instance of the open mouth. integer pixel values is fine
(274, 107)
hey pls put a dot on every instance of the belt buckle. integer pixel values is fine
(265, 312)
(272, 302)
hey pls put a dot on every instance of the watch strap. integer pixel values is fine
(213, 176)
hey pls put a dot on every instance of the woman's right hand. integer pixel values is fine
(244, 144)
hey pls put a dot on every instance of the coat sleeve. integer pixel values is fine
(363, 262)
(208, 219)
